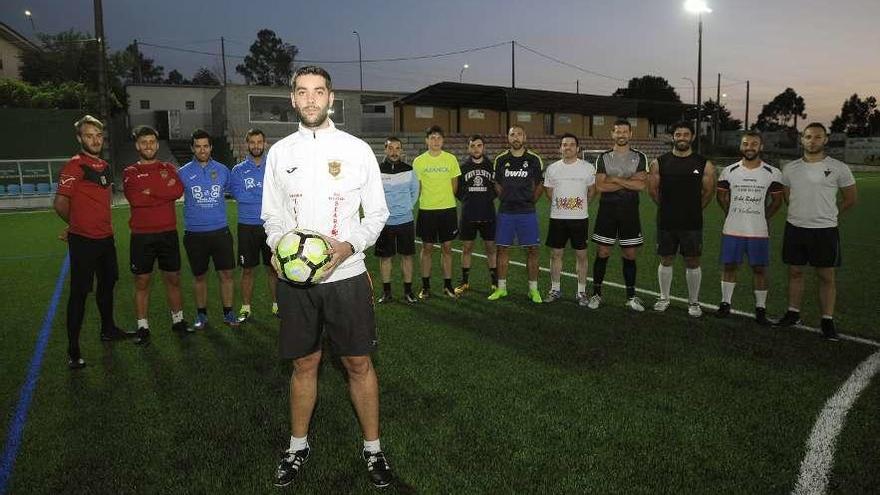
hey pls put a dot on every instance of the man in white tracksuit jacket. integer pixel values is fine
(319, 178)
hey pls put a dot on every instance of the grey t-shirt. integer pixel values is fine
(623, 165)
(813, 191)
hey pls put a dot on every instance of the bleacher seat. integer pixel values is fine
(54, 187)
(13, 190)
(43, 188)
(2, 190)
(28, 188)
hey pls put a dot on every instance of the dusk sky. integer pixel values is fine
(825, 50)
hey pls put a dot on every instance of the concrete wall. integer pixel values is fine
(11, 64)
(478, 121)
(169, 97)
(417, 119)
(532, 122)
(569, 122)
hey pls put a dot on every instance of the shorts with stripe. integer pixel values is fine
(618, 223)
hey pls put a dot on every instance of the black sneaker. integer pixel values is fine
(410, 298)
(723, 310)
(143, 337)
(761, 317)
(181, 327)
(378, 468)
(385, 298)
(828, 331)
(117, 334)
(290, 465)
(790, 319)
(76, 364)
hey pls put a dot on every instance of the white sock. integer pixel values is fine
(502, 284)
(533, 285)
(274, 306)
(760, 298)
(177, 317)
(727, 291)
(827, 317)
(372, 446)
(553, 285)
(297, 444)
(693, 276)
(794, 309)
(582, 287)
(246, 307)
(664, 276)
(143, 323)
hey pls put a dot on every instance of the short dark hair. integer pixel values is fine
(682, 125)
(434, 129)
(621, 122)
(392, 139)
(254, 132)
(476, 137)
(144, 130)
(311, 70)
(577, 141)
(199, 134)
(816, 125)
(755, 134)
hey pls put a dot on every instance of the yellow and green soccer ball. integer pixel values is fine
(302, 256)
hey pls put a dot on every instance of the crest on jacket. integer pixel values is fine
(334, 167)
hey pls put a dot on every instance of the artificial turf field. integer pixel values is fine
(476, 397)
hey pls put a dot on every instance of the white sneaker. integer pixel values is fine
(695, 310)
(552, 296)
(595, 301)
(661, 305)
(635, 304)
(582, 299)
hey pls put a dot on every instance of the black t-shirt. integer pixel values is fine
(681, 192)
(518, 177)
(623, 165)
(476, 191)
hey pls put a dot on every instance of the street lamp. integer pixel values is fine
(30, 17)
(699, 7)
(360, 58)
(461, 72)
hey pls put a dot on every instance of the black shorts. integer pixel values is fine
(689, 243)
(562, 230)
(815, 247)
(252, 245)
(436, 226)
(618, 223)
(202, 247)
(343, 309)
(396, 239)
(91, 258)
(145, 249)
(468, 230)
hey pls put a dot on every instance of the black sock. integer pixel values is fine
(494, 273)
(629, 277)
(465, 272)
(227, 310)
(426, 283)
(407, 287)
(386, 287)
(203, 311)
(447, 283)
(599, 266)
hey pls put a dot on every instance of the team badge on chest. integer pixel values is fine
(334, 167)
(214, 175)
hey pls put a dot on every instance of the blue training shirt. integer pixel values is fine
(204, 206)
(246, 186)
(401, 187)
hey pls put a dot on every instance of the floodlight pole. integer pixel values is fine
(699, 129)
(360, 58)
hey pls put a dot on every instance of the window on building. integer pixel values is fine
(270, 109)
(190, 105)
(373, 109)
(145, 104)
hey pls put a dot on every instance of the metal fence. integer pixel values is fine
(24, 178)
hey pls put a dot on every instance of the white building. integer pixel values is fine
(12, 45)
(174, 110)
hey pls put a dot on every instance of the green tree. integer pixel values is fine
(134, 67)
(648, 87)
(269, 62)
(175, 77)
(205, 77)
(725, 121)
(858, 117)
(782, 112)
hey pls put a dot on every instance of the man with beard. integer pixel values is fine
(83, 202)
(621, 174)
(682, 183)
(811, 233)
(206, 236)
(477, 195)
(399, 235)
(246, 186)
(743, 189)
(320, 178)
(518, 182)
(438, 173)
(151, 188)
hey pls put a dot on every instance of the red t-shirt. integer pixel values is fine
(152, 212)
(86, 181)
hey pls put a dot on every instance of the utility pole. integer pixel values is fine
(716, 134)
(102, 66)
(223, 57)
(699, 82)
(747, 106)
(138, 71)
(513, 64)
(577, 86)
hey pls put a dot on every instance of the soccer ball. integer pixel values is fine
(302, 256)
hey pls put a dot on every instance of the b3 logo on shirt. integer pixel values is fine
(201, 195)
